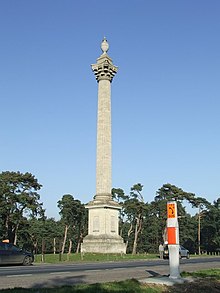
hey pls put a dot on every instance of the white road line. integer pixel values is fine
(15, 276)
(59, 273)
(93, 271)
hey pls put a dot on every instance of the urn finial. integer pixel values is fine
(104, 46)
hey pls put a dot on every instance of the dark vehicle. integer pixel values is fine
(12, 254)
(183, 252)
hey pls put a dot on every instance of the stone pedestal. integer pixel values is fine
(103, 229)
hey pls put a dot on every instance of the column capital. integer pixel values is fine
(104, 68)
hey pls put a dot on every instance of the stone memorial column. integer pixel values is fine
(103, 210)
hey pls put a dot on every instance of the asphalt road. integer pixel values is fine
(46, 275)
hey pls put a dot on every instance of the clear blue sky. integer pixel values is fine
(165, 97)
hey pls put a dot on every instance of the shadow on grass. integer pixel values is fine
(197, 286)
(155, 274)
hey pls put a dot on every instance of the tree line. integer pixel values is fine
(142, 225)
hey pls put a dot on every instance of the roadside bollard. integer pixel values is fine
(173, 239)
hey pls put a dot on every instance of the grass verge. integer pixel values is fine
(211, 273)
(77, 257)
(128, 286)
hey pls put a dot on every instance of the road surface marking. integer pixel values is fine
(24, 275)
(58, 273)
(93, 270)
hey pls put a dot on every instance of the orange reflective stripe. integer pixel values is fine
(171, 210)
(171, 235)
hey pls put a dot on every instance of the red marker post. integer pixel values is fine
(173, 239)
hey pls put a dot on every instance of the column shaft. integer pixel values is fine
(103, 161)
